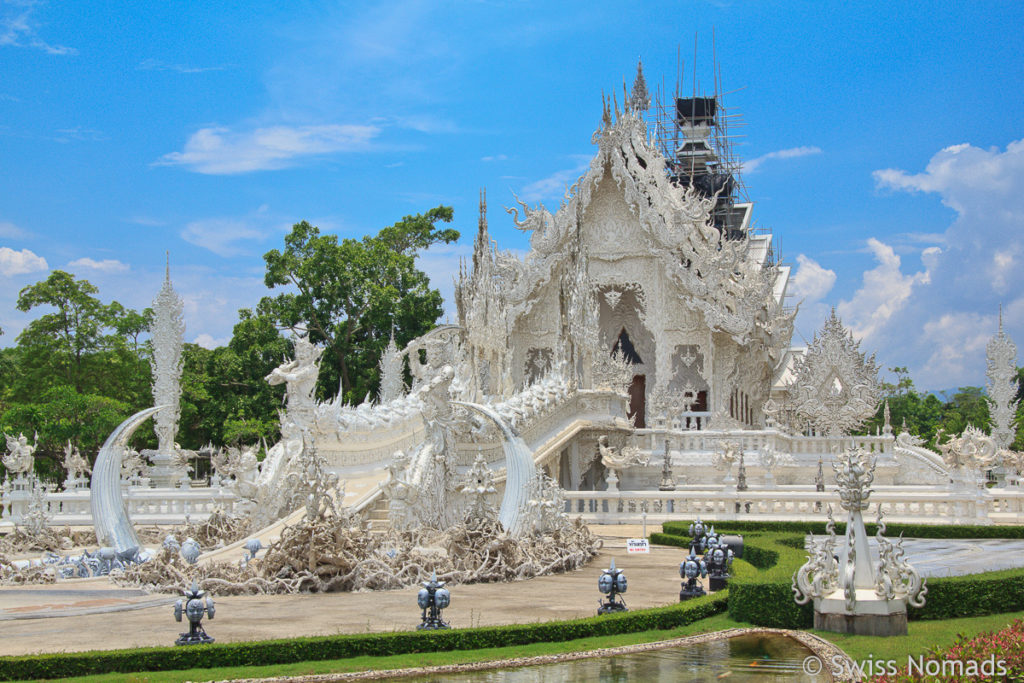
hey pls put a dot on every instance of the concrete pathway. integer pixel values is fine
(92, 614)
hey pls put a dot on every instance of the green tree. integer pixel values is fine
(82, 343)
(923, 414)
(350, 294)
(968, 406)
(225, 398)
(63, 415)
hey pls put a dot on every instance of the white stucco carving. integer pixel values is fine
(168, 332)
(1001, 357)
(836, 386)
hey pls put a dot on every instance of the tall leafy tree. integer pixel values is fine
(350, 294)
(82, 342)
(225, 398)
(77, 370)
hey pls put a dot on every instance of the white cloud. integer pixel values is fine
(80, 134)
(107, 265)
(495, 157)
(18, 28)
(160, 65)
(752, 165)
(554, 186)
(426, 123)
(936, 321)
(957, 339)
(808, 286)
(146, 220)
(223, 235)
(883, 292)
(441, 264)
(221, 151)
(208, 342)
(20, 262)
(11, 231)
(811, 282)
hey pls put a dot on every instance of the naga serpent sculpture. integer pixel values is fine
(519, 468)
(109, 512)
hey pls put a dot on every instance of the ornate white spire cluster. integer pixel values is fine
(1001, 355)
(168, 333)
(835, 386)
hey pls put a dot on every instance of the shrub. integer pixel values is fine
(270, 652)
(765, 597)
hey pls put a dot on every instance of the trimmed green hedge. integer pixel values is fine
(765, 597)
(259, 653)
(818, 527)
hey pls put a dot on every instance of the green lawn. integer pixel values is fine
(923, 636)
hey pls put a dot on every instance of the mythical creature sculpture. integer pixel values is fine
(430, 468)
(20, 455)
(241, 467)
(478, 485)
(616, 459)
(726, 453)
(973, 448)
(620, 458)
(897, 578)
(74, 464)
(819, 576)
(299, 377)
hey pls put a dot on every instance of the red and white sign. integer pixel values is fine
(637, 545)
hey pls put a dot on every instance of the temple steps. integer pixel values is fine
(377, 516)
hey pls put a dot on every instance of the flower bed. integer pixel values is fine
(992, 656)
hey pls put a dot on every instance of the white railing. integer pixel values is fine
(145, 505)
(751, 440)
(902, 504)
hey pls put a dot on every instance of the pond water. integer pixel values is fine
(764, 658)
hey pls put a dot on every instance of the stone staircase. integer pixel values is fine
(377, 516)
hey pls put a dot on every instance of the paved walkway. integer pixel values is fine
(93, 614)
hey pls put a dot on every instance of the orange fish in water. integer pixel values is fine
(755, 663)
(723, 675)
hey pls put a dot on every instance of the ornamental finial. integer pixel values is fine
(640, 99)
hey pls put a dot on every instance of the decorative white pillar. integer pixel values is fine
(168, 333)
(856, 594)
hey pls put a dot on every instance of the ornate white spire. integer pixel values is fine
(1001, 355)
(639, 98)
(168, 340)
(392, 385)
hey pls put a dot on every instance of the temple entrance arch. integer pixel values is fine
(623, 331)
(638, 401)
(638, 387)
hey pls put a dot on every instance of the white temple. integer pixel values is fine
(641, 354)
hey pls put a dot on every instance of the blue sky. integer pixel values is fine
(883, 141)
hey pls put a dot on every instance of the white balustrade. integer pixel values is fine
(145, 505)
(925, 505)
